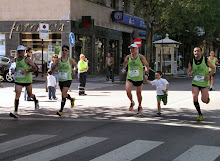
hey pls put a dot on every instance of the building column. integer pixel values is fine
(13, 43)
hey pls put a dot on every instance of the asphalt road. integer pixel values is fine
(100, 127)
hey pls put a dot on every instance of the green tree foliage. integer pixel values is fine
(180, 18)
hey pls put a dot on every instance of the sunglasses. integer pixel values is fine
(65, 50)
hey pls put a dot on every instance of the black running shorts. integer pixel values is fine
(65, 84)
(135, 83)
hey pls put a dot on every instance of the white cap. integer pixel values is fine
(133, 45)
(21, 47)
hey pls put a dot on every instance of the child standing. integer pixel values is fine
(51, 85)
(162, 87)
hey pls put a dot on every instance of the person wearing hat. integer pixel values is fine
(135, 62)
(23, 78)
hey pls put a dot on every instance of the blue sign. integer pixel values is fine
(72, 39)
(130, 20)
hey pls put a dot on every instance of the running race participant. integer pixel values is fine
(135, 62)
(64, 66)
(23, 78)
(199, 69)
(214, 62)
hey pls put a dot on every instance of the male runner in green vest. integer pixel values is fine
(214, 62)
(135, 62)
(199, 70)
(23, 78)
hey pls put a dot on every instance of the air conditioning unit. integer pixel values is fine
(13, 53)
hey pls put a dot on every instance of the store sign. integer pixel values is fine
(34, 27)
(86, 23)
(117, 15)
(130, 20)
(44, 31)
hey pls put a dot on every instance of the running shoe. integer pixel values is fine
(158, 114)
(59, 113)
(139, 109)
(14, 114)
(72, 102)
(37, 105)
(131, 106)
(55, 98)
(200, 118)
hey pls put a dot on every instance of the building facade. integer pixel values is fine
(99, 27)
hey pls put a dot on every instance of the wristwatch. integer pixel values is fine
(146, 74)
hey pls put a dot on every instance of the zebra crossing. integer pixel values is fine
(129, 151)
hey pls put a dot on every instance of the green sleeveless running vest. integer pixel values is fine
(64, 71)
(135, 69)
(213, 63)
(22, 78)
(199, 74)
(82, 64)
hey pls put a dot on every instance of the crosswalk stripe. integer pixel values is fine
(2, 134)
(129, 151)
(26, 140)
(200, 152)
(63, 149)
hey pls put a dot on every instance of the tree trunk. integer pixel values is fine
(149, 45)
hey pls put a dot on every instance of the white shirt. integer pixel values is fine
(51, 81)
(160, 84)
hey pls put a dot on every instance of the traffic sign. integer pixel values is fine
(44, 31)
(72, 39)
(138, 42)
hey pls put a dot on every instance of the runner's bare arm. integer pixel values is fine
(55, 65)
(125, 64)
(216, 62)
(189, 74)
(144, 61)
(31, 63)
(74, 63)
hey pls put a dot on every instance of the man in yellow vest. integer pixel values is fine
(214, 62)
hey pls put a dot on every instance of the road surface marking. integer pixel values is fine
(200, 152)
(2, 134)
(63, 149)
(23, 141)
(129, 151)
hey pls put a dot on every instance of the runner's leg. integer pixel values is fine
(18, 90)
(31, 95)
(195, 93)
(129, 87)
(205, 95)
(138, 92)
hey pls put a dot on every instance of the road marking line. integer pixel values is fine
(63, 149)
(129, 151)
(200, 152)
(23, 141)
(2, 134)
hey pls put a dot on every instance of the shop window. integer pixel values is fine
(83, 45)
(2, 44)
(51, 46)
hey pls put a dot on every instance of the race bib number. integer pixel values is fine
(63, 75)
(134, 73)
(199, 78)
(18, 74)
